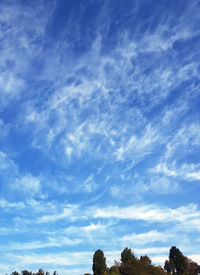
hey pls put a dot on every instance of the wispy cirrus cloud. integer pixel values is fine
(6, 205)
(149, 213)
(99, 130)
(67, 212)
(27, 184)
(143, 238)
(186, 171)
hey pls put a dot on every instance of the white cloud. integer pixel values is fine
(69, 151)
(58, 259)
(89, 184)
(93, 227)
(151, 250)
(27, 184)
(194, 257)
(158, 260)
(6, 204)
(6, 162)
(150, 213)
(138, 146)
(185, 139)
(51, 242)
(68, 212)
(41, 206)
(162, 185)
(144, 238)
(185, 171)
(194, 175)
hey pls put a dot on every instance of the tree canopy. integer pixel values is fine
(177, 260)
(99, 263)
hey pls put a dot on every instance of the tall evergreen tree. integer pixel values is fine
(99, 263)
(176, 257)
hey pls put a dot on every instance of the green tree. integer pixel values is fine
(168, 267)
(145, 266)
(129, 263)
(157, 270)
(15, 273)
(26, 272)
(114, 270)
(99, 263)
(176, 257)
(127, 255)
(145, 260)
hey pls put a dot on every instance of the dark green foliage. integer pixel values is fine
(127, 255)
(145, 260)
(129, 263)
(15, 273)
(26, 272)
(177, 261)
(168, 267)
(99, 263)
(114, 270)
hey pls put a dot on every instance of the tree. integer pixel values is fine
(176, 257)
(129, 263)
(26, 272)
(114, 270)
(99, 263)
(145, 260)
(40, 272)
(145, 266)
(15, 273)
(168, 267)
(192, 268)
(157, 270)
(127, 255)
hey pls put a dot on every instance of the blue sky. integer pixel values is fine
(99, 131)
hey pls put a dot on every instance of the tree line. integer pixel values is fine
(39, 272)
(129, 264)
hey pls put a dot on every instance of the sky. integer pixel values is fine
(99, 131)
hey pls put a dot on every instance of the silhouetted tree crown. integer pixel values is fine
(99, 263)
(177, 260)
(127, 255)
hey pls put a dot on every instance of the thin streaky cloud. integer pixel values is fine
(99, 131)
